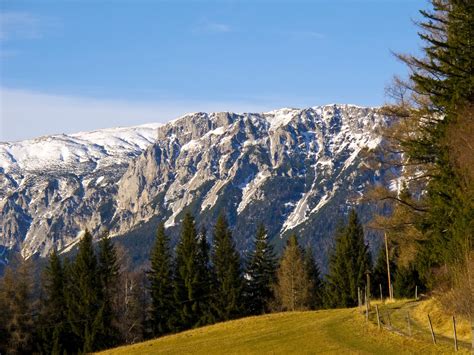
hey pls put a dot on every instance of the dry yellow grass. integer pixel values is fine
(419, 326)
(329, 331)
(442, 322)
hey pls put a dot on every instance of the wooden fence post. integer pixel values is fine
(359, 298)
(367, 273)
(368, 299)
(378, 316)
(416, 293)
(388, 267)
(409, 323)
(431, 329)
(381, 295)
(366, 308)
(455, 335)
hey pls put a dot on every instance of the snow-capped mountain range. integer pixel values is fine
(295, 170)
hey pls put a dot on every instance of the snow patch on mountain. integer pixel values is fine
(71, 151)
(281, 117)
(283, 166)
(249, 190)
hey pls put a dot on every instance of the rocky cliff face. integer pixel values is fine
(294, 170)
(52, 187)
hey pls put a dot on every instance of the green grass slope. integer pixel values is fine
(329, 331)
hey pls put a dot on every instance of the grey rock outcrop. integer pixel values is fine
(292, 169)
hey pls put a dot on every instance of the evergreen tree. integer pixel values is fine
(314, 275)
(206, 280)
(186, 280)
(108, 272)
(435, 108)
(347, 265)
(161, 284)
(84, 295)
(227, 302)
(260, 274)
(405, 281)
(445, 71)
(54, 327)
(72, 343)
(293, 287)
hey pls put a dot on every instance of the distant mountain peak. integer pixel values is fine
(292, 169)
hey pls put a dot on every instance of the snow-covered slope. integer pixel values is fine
(73, 151)
(44, 181)
(295, 170)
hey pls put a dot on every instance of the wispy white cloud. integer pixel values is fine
(218, 27)
(311, 34)
(19, 25)
(212, 27)
(304, 34)
(26, 114)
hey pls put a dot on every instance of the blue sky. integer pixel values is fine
(79, 65)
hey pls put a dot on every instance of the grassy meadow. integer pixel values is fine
(326, 331)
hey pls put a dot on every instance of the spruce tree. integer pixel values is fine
(435, 107)
(73, 342)
(84, 296)
(293, 287)
(406, 280)
(54, 326)
(348, 264)
(260, 274)
(227, 302)
(108, 272)
(161, 284)
(186, 280)
(314, 275)
(205, 280)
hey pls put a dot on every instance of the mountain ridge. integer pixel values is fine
(203, 162)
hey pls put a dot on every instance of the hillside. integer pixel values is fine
(333, 331)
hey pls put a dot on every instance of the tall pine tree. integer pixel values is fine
(348, 264)
(314, 275)
(108, 272)
(84, 296)
(206, 280)
(187, 277)
(260, 274)
(227, 301)
(161, 284)
(436, 108)
(54, 329)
